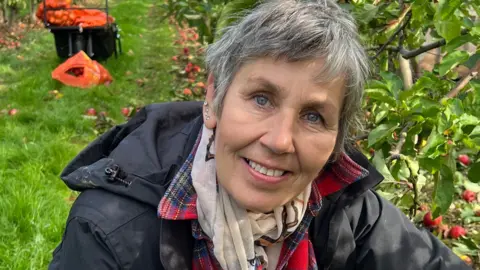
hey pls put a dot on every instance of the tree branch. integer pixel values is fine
(472, 74)
(410, 54)
(392, 37)
(395, 154)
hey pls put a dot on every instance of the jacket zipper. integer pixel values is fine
(115, 173)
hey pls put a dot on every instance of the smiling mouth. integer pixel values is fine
(264, 170)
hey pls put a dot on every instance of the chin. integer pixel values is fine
(254, 205)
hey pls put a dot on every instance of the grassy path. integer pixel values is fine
(46, 133)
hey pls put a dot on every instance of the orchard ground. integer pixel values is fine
(43, 123)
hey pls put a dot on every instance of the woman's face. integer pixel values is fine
(276, 131)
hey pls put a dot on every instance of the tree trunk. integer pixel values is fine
(12, 16)
(3, 5)
(33, 5)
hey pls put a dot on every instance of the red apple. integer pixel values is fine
(126, 111)
(429, 223)
(187, 92)
(464, 159)
(91, 112)
(469, 195)
(457, 231)
(12, 112)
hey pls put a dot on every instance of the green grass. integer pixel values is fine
(46, 134)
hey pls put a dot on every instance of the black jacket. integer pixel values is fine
(124, 173)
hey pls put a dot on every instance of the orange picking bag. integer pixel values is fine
(81, 71)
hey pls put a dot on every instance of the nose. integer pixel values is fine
(279, 138)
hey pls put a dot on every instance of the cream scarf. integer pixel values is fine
(241, 239)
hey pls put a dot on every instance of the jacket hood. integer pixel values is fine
(139, 158)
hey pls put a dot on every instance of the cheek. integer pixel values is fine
(315, 152)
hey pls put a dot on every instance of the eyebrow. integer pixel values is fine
(279, 90)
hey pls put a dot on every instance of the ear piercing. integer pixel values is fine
(207, 117)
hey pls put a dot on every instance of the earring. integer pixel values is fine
(209, 155)
(207, 117)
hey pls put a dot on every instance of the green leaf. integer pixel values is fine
(448, 29)
(379, 163)
(394, 83)
(471, 219)
(467, 22)
(468, 120)
(386, 195)
(452, 60)
(446, 8)
(442, 123)
(381, 132)
(475, 132)
(471, 186)
(413, 165)
(381, 95)
(475, 30)
(457, 42)
(380, 116)
(230, 13)
(406, 201)
(367, 14)
(376, 84)
(474, 173)
(421, 182)
(443, 190)
(404, 171)
(430, 165)
(424, 106)
(454, 107)
(193, 16)
(433, 141)
(472, 61)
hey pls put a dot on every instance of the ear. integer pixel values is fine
(209, 116)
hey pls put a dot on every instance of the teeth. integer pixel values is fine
(259, 168)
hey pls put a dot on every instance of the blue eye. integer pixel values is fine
(261, 100)
(313, 117)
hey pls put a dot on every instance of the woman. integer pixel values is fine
(259, 176)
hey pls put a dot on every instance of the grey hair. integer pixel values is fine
(296, 30)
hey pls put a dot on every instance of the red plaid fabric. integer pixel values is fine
(180, 203)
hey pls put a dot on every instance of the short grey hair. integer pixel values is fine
(296, 30)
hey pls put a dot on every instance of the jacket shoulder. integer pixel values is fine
(375, 234)
(130, 228)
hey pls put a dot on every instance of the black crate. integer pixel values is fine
(99, 43)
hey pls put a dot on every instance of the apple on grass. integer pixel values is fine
(12, 112)
(91, 112)
(431, 223)
(457, 232)
(126, 111)
(469, 196)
